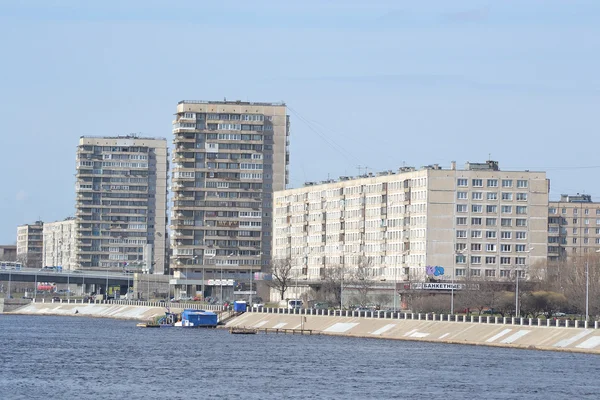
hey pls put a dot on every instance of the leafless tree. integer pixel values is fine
(361, 279)
(281, 272)
(332, 283)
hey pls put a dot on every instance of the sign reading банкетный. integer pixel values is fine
(437, 286)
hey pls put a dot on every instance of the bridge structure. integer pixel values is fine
(102, 280)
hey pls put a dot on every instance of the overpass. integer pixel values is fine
(100, 279)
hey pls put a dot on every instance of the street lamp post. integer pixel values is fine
(587, 289)
(461, 252)
(188, 263)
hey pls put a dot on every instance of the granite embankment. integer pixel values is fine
(488, 332)
(142, 311)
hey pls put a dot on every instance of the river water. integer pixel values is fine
(44, 357)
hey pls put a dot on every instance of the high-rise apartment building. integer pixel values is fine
(573, 227)
(30, 244)
(228, 159)
(479, 222)
(59, 244)
(8, 253)
(121, 202)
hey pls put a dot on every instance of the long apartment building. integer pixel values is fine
(121, 205)
(478, 221)
(573, 227)
(229, 158)
(59, 244)
(30, 244)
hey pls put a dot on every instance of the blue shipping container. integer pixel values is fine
(199, 317)
(239, 306)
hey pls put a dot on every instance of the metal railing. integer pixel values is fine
(459, 318)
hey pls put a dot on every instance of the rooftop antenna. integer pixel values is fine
(359, 169)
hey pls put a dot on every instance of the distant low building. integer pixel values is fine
(30, 244)
(8, 252)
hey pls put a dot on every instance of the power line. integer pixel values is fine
(338, 148)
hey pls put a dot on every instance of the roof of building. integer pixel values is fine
(235, 102)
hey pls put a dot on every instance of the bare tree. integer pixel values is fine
(361, 280)
(332, 283)
(281, 272)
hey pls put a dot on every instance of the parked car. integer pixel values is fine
(559, 314)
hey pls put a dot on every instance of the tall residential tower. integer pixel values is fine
(228, 159)
(121, 206)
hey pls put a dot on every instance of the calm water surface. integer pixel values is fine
(85, 358)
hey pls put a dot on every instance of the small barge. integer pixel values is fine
(243, 331)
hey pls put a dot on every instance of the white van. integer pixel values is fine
(292, 304)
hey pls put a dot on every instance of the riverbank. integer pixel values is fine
(471, 333)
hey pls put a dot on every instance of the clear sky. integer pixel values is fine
(372, 83)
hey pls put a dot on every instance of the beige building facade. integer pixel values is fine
(229, 158)
(573, 227)
(59, 244)
(121, 205)
(478, 221)
(30, 244)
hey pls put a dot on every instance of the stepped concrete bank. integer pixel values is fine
(117, 309)
(459, 332)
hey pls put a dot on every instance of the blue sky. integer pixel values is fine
(371, 83)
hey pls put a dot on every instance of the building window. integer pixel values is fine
(477, 196)
(477, 182)
(521, 209)
(504, 273)
(507, 183)
(461, 195)
(552, 210)
(521, 183)
(475, 259)
(505, 248)
(461, 208)
(492, 182)
(505, 222)
(475, 234)
(521, 196)
(521, 235)
(490, 273)
(475, 246)
(475, 221)
(460, 272)
(475, 272)
(520, 260)
(490, 234)
(505, 235)
(507, 196)
(461, 234)
(460, 259)
(574, 220)
(490, 247)
(586, 221)
(506, 209)
(476, 208)
(520, 248)
(462, 182)
(492, 196)
(491, 209)
(521, 222)
(490, 221)
(575, 211)
(586, 211)
(490, 260)
(461, 220)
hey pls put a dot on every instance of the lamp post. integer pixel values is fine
(517, 273)
(193, 258)
(461, 253)
(203, 279)
(587, 288)
(221, 295)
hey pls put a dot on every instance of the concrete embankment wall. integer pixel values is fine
(489, 334)
(113, 309)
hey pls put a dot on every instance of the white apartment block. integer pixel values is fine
(121, 205)
(30, 244)
(479, 221)
(59, 244)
